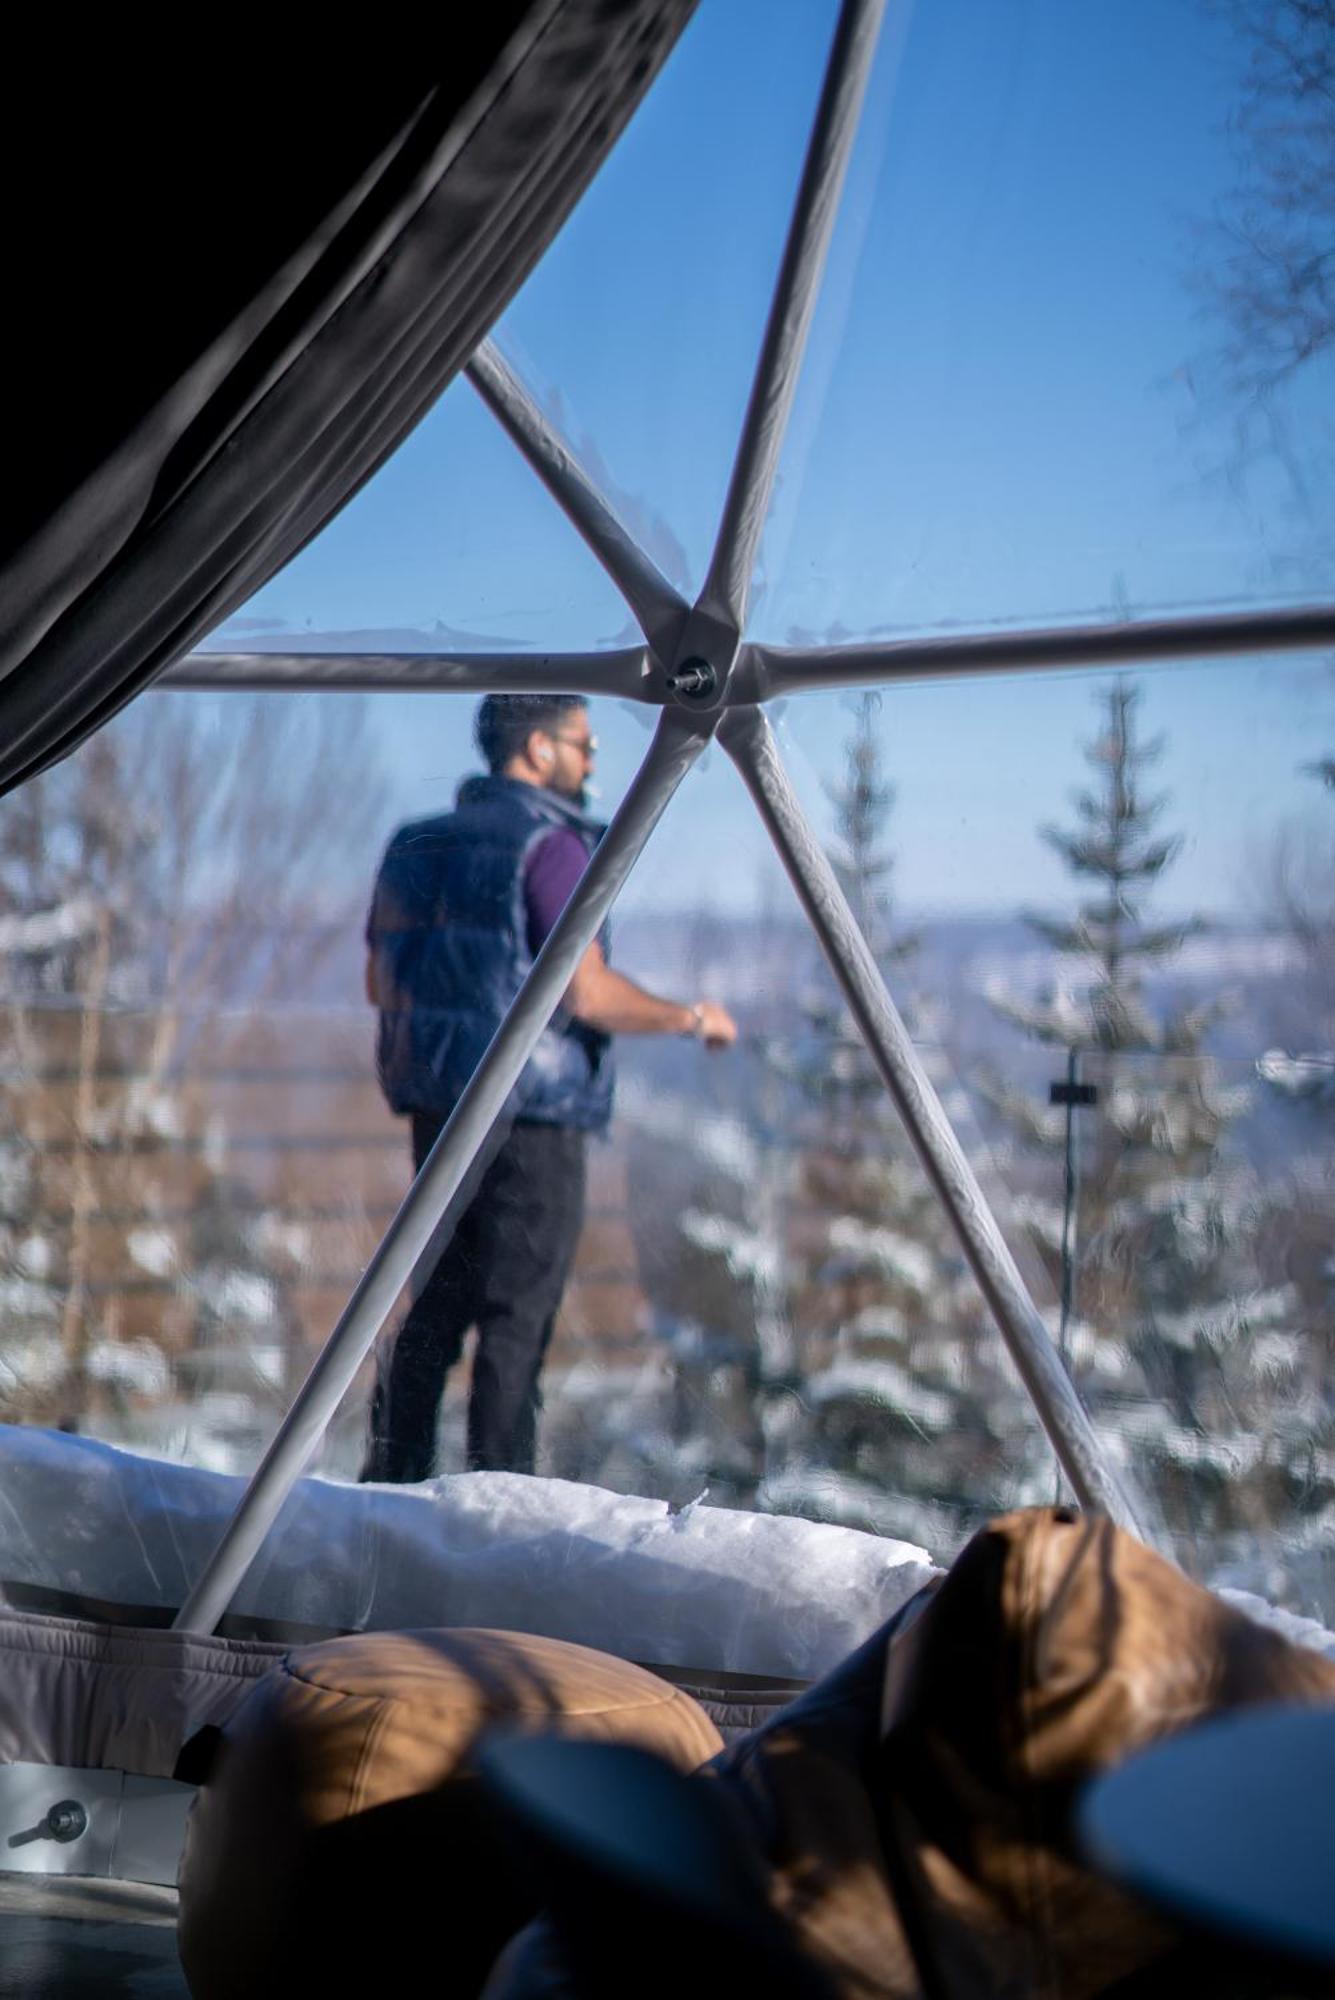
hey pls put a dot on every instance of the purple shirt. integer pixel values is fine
(553, 867)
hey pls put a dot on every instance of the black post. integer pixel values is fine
(1070, 1094)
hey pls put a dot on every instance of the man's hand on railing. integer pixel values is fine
(714, 1025)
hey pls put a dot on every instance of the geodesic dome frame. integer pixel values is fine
(697, 666)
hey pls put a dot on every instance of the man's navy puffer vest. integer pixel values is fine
(449, 932)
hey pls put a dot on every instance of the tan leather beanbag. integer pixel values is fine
(918, 1805)
(341, 1838)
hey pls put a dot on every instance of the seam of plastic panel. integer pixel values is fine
(119, 1645)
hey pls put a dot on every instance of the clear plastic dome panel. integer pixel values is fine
(1072, 359)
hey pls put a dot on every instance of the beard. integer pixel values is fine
(580, 793)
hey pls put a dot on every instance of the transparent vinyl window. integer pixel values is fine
(1107, 913)
(1071, 357)
(196, 1163)
(1040, 388)
(766, 1305)
(637, 334)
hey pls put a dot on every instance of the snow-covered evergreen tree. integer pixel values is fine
(912, 1422)
(1298, 1228)
(712, 1260)
(172, 856)
(1301, 898)
(1183, 1348)
(827, 1349)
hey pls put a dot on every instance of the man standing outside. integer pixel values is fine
(462, 905)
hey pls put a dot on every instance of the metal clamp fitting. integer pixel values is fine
(694, 680)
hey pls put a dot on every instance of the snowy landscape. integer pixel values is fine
(768, 1308)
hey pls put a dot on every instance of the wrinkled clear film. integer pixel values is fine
(767, 1308)
(1105, 906)
(1198, 1254)
(1072, 358)
(1034, 393)
(197, 1163)
(637, 337)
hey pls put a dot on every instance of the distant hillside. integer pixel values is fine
(766, 967)
(769, 971)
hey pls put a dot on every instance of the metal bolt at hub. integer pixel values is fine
(694, 680)
(67, 1820)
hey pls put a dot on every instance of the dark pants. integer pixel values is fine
(503, 1272)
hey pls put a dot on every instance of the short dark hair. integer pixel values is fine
(504, 722)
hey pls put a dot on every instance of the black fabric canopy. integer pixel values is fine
(233, 293)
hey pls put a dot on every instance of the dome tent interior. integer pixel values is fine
(709, 648)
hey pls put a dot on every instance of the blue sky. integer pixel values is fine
(1008, 413)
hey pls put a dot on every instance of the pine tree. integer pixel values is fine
(821, 1330)
(1298, 1217)
(1302, 898)
(913, 1423)
(712, 1262)
(1174, 1323)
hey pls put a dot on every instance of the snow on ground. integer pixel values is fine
(139, 1366)
(720, 1141)
(1302, 1631)
(46, 930)
(750, 1255)
(153, 1249)
(887, 1250)
(697, 1586)
(1309, 1076)
(689, 1586)
(839, 1496)
(884, 1383)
